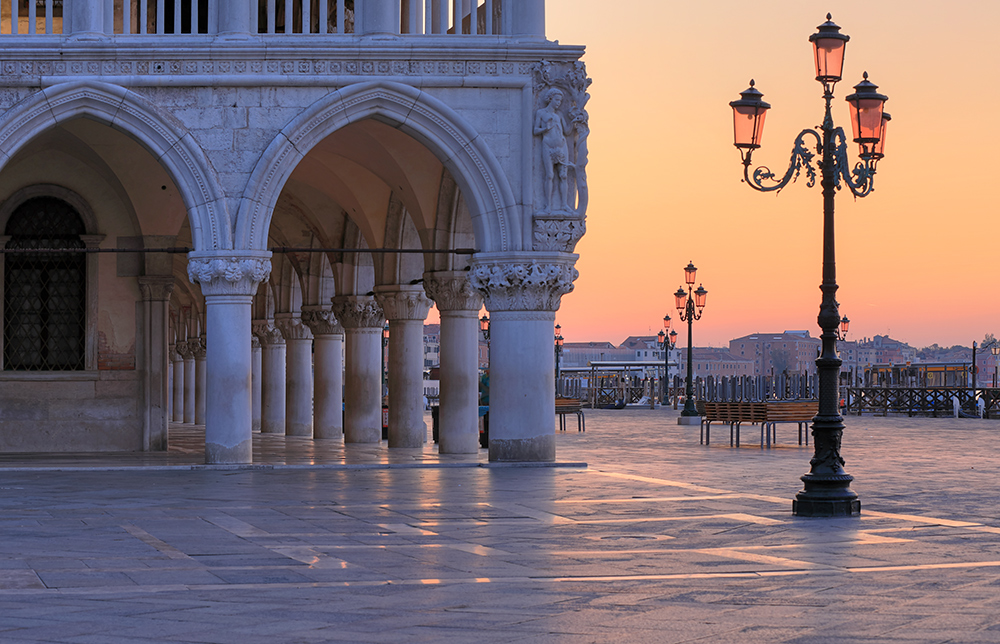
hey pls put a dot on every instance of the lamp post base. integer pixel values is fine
(689, 420)
(826, 496)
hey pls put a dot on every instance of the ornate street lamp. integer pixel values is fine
(559, 349)
(690, 306)
(484, 327)
(666, 342)
(827, 489)
(995, 349)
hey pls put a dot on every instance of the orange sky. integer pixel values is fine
(915, 259)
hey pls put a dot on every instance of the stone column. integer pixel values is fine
(177, 412)
(527, 20)
(190, 378)
(156, 356)
(522, 292)
(200, 380)
(458, 414)
(255, 367)
(362, 319)
(328, 336)
(298, 375)
(380, 17)
(234, 19)
(406, 309)
(228, 283)
(86, 19)
(272, 376)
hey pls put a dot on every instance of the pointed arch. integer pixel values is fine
(161, 134)
(452, 139)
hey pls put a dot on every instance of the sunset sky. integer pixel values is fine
(915, 259)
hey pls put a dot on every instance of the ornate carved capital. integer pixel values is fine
(452, 291)
(292, 327)
(268, 333)
(174, 353)
(156, 288)
(557, 232)
(254, 342)
(523, 282)
(403, 302)
(186, 349)
(321, 321)
(229, 274)
(198, 348)
(358, 311)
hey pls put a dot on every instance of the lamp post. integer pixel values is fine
(484, 326)
(690, 306)
(995, 349)
(558, 341)
(827, 489)
(666, 341)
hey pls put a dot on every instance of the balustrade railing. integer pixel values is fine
(284, 17)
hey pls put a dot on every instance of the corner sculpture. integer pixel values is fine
(560, 127)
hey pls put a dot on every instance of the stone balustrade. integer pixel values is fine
(107, 18)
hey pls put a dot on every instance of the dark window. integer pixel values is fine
(44, 292)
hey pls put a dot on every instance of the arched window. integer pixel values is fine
(44, 320)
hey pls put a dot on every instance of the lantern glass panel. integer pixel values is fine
(748, 125)
(700, 296)
(866, 119)
(829, 54)
(689, 273)
(666, 322)
(680, 299)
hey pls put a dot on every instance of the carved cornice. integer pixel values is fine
(228, 275)
(321, 321)
(292, 328)
(403, 302)
(358, 312)
(526, 282)
(268, 334)
(155, 288)
(452, 291)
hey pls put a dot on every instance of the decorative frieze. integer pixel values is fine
(524, 283)
(321, 321)
(358, 312)
(228, 275)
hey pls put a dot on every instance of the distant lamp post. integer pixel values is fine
(558, 341)
(666, 342)
(484, 327)
(995, 349)
(690, 306)
(827, 490)
(385, 364)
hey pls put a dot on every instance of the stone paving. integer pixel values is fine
(658, 539)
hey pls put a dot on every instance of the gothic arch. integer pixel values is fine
(456, 143)
(164, 137)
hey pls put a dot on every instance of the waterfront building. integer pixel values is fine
(266, 165)
(710, 361)
(777, 353)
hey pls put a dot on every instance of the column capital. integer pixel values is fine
(403, 302)
(523, 281)
(321, 321)
(358, 311)
(267, 333)
(254, 342)
(198, 347)
(452, 291)
(156, 288)
(292, 327)
(186, 349)
(228, 272)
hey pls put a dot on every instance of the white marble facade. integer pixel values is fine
(267, 154)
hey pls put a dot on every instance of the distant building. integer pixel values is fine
(715, 362)
(791, 351)
(581, 354)
(432, 346)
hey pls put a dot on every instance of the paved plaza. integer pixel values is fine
(655, 539)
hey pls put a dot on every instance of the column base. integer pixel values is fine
(826, 508)
(689, 420)
(826, 495)
(523, 450)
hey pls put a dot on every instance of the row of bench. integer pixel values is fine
(766, 414)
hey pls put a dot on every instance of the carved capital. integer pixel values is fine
(268, 333)
(557, 232)
(229, 274)
(186, 349)
(292, 327)
(254, 342)
(321, 321)
(403, 302)
(198, 348)
(174, 353)
(523, 282)
(452, 291)
(358, 312)
(156, 288)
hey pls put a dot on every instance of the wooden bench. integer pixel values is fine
(566, 406)
(789, 411)
(766, 414)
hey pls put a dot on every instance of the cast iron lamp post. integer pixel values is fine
(687, 303)
(666, 342)
(484, 326)
(827, 490)
(995, 349)
(558, 341)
